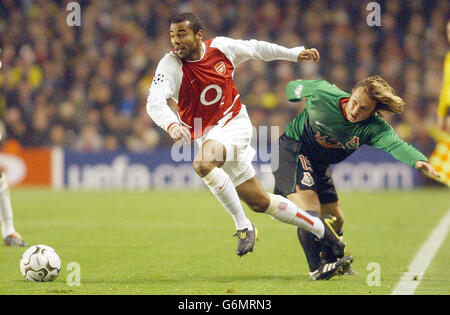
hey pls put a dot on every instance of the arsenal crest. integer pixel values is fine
(220, 67)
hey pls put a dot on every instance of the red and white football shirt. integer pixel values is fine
(204, 89)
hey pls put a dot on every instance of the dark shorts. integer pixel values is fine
(295, 168)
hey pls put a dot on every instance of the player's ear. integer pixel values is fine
(199, 35)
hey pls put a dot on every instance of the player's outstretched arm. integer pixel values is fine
(427, 169)
(309, 54)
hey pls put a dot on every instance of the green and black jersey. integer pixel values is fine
(326, 134)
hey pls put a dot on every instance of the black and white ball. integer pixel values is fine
(40, 263)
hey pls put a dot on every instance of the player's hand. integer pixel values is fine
(427, 169)
(179, 132)
(309, 54)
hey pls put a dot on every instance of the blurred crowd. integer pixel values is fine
(85, 87)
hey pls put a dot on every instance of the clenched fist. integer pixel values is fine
(309, 54)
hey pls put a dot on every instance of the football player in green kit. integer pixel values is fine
(333, 125)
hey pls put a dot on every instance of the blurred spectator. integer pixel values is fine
(89, 139)
(85, 87)
(111, 143)
(58, 136)
(37, 133)
(143, 136)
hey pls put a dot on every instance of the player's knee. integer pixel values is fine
(202, 168)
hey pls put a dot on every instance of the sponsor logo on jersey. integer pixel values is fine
(307, 180)
(328, 142)
(220, 67)
(353, 144)
(319, 123)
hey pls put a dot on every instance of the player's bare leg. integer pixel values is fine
(207, 165)
(320, 269)
(9, 234)
(333, 216)
(282, 209)
(286, 211)
(252, 193)
(308, 199)
(319, 256)
(333, 209)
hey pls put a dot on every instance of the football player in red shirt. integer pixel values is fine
(198, 76)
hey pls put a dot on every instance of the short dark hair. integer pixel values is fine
(195, 22)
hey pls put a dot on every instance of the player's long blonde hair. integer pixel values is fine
(378, 89)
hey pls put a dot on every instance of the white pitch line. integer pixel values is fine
(411, 279)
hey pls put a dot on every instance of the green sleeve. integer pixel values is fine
(384, 137)
(296, 90)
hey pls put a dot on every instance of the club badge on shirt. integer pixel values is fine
(353, 144)
(220, 67)
(307, 180)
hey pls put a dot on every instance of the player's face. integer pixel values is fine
(360, 106)
(187, 44)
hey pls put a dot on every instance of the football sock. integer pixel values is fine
(327, 254)
(286, 211)
(6, 215)
(311, 245)
(220, 185)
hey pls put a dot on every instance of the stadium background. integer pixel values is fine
(81, 91)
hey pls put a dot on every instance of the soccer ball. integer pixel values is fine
(40, 263)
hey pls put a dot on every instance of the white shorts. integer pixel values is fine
(236, 137)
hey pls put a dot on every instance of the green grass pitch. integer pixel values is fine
(166, 243)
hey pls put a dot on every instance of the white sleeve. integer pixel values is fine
(165, 85)
(239, 51)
